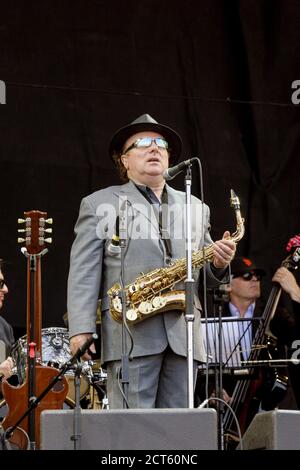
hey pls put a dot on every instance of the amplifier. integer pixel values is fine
(134, 429)
(273, 430)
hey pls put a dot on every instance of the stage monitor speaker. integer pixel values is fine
(273, 430)
(135, 429)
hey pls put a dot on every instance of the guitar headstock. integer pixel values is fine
(293, 247)
(36, 226)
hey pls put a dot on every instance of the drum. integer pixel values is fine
(55, 352)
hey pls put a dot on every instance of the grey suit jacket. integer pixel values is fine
(93, 270)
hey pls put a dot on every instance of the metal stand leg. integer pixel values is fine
(76, 437)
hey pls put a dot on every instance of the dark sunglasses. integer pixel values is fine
(248, 276)
(2, 283)
(145, 142)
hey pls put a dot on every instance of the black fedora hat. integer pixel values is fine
(146, 123)
(241, 265)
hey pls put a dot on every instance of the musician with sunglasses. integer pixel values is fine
(244, 302)
(154, 226)
(6, 331)
(242, 314)
(244, 296)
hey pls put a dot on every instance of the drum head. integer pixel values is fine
(55, 352)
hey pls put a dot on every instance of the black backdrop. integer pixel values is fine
(219, 72)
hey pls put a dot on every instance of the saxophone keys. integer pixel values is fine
(131, 315)
(145, 308)
(117, 304)
(159, 302)
(132, 289)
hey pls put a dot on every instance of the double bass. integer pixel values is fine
(267, 386)
(37, 376)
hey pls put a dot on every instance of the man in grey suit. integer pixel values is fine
(155, 237)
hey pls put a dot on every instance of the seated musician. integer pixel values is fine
(6, 332)
(245, 302)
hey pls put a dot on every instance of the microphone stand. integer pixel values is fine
(76, 437)
(220, 295)
(36, 400)
(189, 292)
(125, 357)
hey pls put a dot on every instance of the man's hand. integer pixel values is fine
(225, 397)
(286, 279)
(6, 368)
(224, 251)
(77, 341)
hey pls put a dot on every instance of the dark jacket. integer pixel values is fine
(6, 334)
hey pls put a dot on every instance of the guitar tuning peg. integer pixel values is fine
(21, 221)
(48, 240)
(48, 230)
(49, 221)
(21, 230)
(21, 240)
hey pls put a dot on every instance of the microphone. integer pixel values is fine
(170, 173)
(114, 246)
(80, 351)
(123, 221)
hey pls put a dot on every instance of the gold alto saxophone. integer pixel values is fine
(153, 293)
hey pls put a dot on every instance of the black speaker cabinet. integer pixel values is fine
(274, 430)
(178, 429)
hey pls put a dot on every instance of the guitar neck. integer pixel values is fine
(34, 303)
(35, 238)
